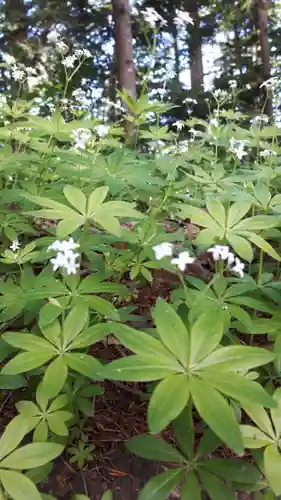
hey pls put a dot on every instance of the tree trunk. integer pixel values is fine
(124, 47)
(195, 48)
(262, 21)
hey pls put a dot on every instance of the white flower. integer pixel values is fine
(179, 125)
(69, 61)
(163, 250)
(260, 119)
(232, 84)
(271, 83)
(33, 81)
(91, 2)
(230, 258)
(239, 267)
(31, 71)
(102, 130)
(267, 152)
(63, 246)
(219, 252)
(15, 246)
(53, 36)
(65, 258)
(237, 147)
(182, 260)
(187, 195)
(214, 122)
(81, 137)
(10, 60)
(220, 94)
(61, 48)
(18, 75)
(152, 17)
(182, 18)
(248, 86)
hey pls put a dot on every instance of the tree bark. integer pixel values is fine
(195, 48)
(124, 47)
(262, 21)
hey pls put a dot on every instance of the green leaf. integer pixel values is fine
(13, 434)
(159, 487)
(272, 467)
(25, 362)
(253, 437)
(32, 455)
(237, 212)
(54, 377)
(52, 332)
(198, 216)
(217, 211)
(260, 417)
(235, 469)
(276, 413)
(96, 199)
(241, 246)
(215, 487)
(84, 364)
(238, 387)
(90, 336)
(56, 422)
(69, 225)
(109, 223)
(237, 357)
(172, 330)
(217, 413)
(9, 382)
(41, 432)
(18, 486)
(264, 245)
(257, 223)
(152, 448)
(184, 432)
(92, 285)
(206, 334)
(140, 369)
(139, 342)
(75, 322)
(161, 412)
(191, 488)
(58, 403)
(121, 209)
(209, 442)
(103, 307)
(108, 495)
(28, 342)
(76, 198)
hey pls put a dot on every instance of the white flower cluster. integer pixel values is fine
(232, 84)
(65, 258)
(220, 95)
(152, 18)
(102, 130)
(271, 84)
(79, 54)
(260, 119)
(182, 18)
(222, 252)
(237, 147)
(81, 137)
(267, 152)
(33, 76)
(166, 250)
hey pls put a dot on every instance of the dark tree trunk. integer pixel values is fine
(262, 24)
(195, 47)
(124, 47)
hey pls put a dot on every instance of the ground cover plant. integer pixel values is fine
(92, 214)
